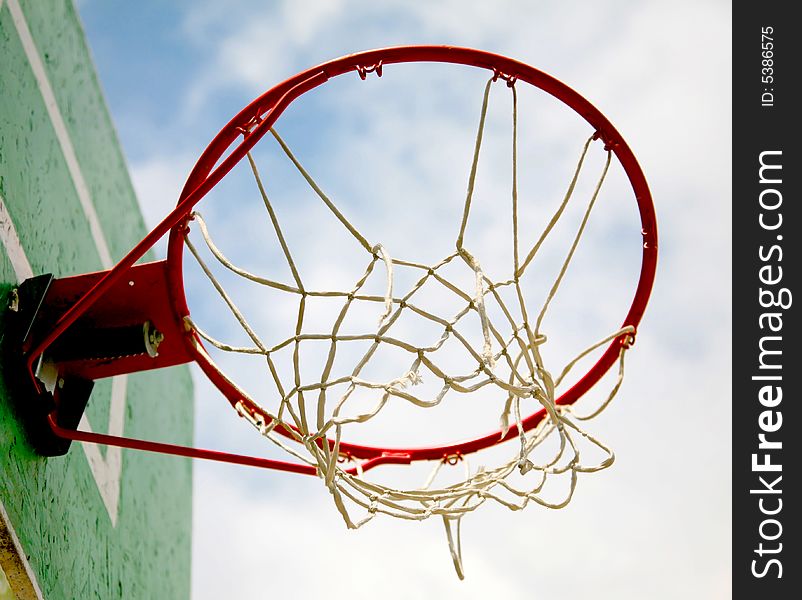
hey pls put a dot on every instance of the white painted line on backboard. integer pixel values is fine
(67, 149)
(8, 233)
(106, 472)
(108, 477)
(18, 559)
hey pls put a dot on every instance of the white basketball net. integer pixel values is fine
(512, 365)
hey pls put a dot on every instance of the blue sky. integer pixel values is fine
(657, 523)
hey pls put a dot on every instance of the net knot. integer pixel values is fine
(363, 71)
(184, 226)
(452, 459)
(510, 79)
(413, 377)
(253, 122)
(525, 465)
(609, 144)
(374, 504)
(628, 340)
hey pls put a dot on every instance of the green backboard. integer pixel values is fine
(99, 522)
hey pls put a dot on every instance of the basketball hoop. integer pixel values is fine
(72, 331)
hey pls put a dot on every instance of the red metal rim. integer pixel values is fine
(262, 113)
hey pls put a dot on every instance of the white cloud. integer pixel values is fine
(158, 182)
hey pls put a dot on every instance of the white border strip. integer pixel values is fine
(8, 235)
(7, 528)
(67, 149)
(106, 472)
